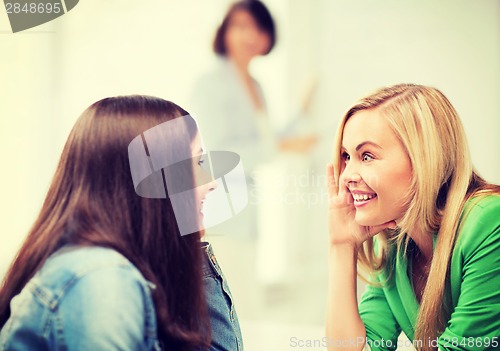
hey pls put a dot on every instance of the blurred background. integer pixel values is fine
(328, 54)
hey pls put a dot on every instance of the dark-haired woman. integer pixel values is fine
(106, 265)
(232, 103)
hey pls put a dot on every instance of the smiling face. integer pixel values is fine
(202, 176)
(376, 169)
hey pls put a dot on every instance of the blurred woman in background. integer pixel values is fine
(231, 100)
(232, 104)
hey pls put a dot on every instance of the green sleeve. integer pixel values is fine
(475, 320)
(382, 329)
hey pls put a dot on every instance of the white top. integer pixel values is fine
(228, 119)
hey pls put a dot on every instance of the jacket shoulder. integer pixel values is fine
(73, 265)
(480, 222)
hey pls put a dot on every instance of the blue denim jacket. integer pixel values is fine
(92, 298)
(78, 293)
(226, 333)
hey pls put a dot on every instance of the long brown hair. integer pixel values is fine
(443, 180)
(92, 201)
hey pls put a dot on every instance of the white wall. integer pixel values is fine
(50, 73)
(26, 121)
(452, 45)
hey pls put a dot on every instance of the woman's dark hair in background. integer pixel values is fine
(260, 14)
(92, 202)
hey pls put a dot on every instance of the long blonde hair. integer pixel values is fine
(443, 179)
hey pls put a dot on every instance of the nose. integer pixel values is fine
(350, 174)
(212, 185)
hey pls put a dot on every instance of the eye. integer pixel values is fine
(367, 157)
(345, 156)
(201, 159)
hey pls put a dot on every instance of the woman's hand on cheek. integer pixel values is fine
(343, 228)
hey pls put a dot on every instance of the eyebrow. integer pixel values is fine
(363, 144)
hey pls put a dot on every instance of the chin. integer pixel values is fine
(369, 221)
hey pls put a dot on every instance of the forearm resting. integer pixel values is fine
(344, 328)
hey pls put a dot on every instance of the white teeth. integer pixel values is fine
(363, 197)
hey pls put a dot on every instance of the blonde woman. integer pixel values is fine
(408, 207)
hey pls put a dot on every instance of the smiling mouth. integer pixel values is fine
(362, 199)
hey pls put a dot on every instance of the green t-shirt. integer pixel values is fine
(474, 290)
